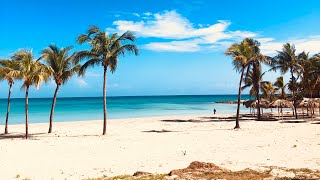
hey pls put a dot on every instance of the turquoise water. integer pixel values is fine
(90, 108)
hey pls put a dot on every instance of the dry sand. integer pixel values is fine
(76, 150)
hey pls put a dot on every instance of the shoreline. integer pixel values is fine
(77, 150)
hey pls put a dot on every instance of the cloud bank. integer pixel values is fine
(170, 31)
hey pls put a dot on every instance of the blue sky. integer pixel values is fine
(181, 42)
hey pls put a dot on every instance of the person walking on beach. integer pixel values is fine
(214, 111)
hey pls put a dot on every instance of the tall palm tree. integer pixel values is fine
(254, 75)
(288, 61)
(10, 72)
(33, 73)
(242, 56)
(280, 86)
(63, 67)
(253, 79)
(105, 51)
(315, 71)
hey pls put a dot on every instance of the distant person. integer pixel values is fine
(214, 111)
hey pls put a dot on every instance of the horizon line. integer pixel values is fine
(128, 96)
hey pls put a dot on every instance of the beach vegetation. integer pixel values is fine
(63, 68)
(9, 71)
(105, 51)
(33, 72)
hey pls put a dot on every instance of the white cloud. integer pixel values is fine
(173, 32)
(147, 13)
(82, 83)
(136, 14)
(172, 26)
(114, 85)
(174, 46)
(309, 44)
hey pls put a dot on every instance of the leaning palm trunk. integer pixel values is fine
(26, 108)
(258, 105)
(294, 95)
(239, 98)
(8, 109)
(104, 101)
(52, 107)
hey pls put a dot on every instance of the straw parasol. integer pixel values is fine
(309, 103)
(249, 104)
(281, 103)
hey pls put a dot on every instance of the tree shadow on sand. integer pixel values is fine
(294, 121)
(184, 120)
(159, 131)
(37, 136)
(20, 136)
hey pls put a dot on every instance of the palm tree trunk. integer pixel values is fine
(8, 109)
(239, 99)
(26, 108)
(294, 94)
(104, 101)
(258, 105)
(52, 107)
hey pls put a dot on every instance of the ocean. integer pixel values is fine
(91, 108)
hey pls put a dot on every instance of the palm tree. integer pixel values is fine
(63, 67)
(10, 72)
(268, 91)
(281, 87)
(242, 57)
(105, 51)
(33, 73)
(287, 61)
(253, 79)
(254, 76)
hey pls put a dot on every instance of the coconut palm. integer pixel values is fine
(281, 87)
(10, 72)
(254, 76)
(105, 51)
(253, 79)
(288, 61)
(242, 56)
(33, 73)
(63, 67)
(268, 91)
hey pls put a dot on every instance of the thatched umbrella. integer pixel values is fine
(318, 103)
(250, 104)
(281, 103)
(309, 103)
(264, 104)
(253, 104)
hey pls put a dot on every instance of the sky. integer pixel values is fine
(181, 42)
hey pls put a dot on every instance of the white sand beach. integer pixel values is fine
(76, 150)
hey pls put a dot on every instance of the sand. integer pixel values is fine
(76, 150)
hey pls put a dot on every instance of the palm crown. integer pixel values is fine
(105, 49)
(62, 65)
(32, 71)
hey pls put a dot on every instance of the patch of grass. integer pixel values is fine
(247, 174)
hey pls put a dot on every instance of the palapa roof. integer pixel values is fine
(309, 102)
(282, 103)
